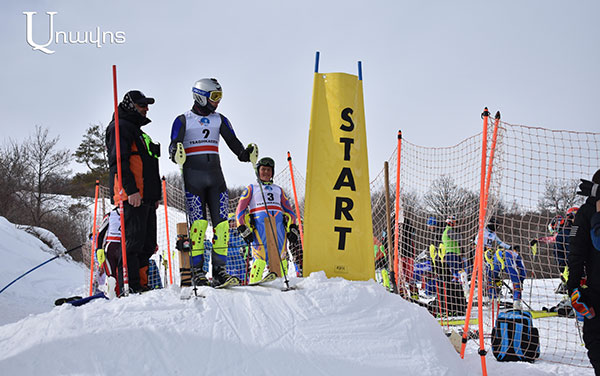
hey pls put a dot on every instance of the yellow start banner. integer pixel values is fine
(338, 230)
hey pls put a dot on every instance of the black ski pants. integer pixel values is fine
(140, 239)
(591, 331)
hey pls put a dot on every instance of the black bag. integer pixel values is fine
(514, 338)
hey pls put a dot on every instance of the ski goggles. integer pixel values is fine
(215, 95)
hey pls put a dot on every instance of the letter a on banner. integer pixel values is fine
(338, 229)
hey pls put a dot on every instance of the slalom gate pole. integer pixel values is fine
(397, 265)
(94, 240)
(40, 265)
(289, 158)
(389, 227)
(446, 305)
(164, 189)
(491, 161)
(489, 178)
(120, 186)
(479, 254)
(437, 291)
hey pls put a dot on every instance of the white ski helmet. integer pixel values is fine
(207, 88)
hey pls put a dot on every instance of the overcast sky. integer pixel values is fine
(429, 67)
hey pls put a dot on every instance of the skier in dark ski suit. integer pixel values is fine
(199, 130)
(141, 184)
(584, 259)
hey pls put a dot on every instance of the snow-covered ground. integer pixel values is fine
(323, 327)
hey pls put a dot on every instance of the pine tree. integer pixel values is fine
(91, 152)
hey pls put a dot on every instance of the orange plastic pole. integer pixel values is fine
(446, 305)
(397, 209)
(120, 185)
(491, 162)
(477, 268)
(289, 158)
(94, 240)
(164, 189)
(439, 301)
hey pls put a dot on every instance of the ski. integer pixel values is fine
(268, 278)
(474, 321)
(78, 300)
(62, 301)
(231, 282)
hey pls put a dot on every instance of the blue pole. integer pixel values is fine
(40, 265)
(317, 62)
(360, 70)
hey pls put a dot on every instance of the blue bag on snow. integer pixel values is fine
(514, 338)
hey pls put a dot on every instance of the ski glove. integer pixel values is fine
(246, 233)
(245, 154)
(590, 189)
(579, 305)
(293, 234)
(172, 150)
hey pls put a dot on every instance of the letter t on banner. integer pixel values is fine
(338, 235)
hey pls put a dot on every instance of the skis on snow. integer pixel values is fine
(78, 300)
(268, 278)
(233, 281)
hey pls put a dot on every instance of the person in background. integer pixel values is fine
(452, 267)
(510, 262)
(560, 229)
(584, 259)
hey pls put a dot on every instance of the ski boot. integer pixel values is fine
(222, 278)
(199, 276)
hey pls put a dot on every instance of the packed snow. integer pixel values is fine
(324, 326)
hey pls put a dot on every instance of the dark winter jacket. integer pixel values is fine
(139, 158)
(595, 231)
(583, 258)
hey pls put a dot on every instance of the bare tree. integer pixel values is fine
(446, 198)
(174, 178)
(559, 196)
(45, 167)
(12, 170)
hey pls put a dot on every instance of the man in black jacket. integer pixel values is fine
(584, 260)
(141, 184)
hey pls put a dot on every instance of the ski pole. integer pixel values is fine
(512, 292)
(40, 265)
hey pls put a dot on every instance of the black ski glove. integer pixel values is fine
(245, 154)
(590, 189)
(246, 233)
(172, 150)
(293, 234)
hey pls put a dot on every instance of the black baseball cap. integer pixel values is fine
(139, 98)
